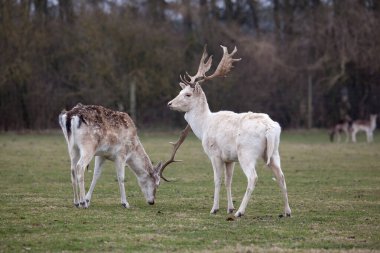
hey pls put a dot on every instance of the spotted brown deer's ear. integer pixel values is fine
(157, 172)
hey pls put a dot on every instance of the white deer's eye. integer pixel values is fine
(188, 95)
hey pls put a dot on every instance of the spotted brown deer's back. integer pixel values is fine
(102, 117)
(109, 124)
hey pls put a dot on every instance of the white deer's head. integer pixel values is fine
(192, 95)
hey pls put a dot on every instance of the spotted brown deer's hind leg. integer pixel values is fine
(74, 157)
(84, 160)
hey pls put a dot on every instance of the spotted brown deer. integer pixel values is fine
(92, 130)
(344, 126)
(228, 137)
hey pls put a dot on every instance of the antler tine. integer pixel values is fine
(176, 145)
(203, 66)
(183, 79)
(225, 64)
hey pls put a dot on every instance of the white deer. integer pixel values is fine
(92, 130)
(228, 137)
(368, 126)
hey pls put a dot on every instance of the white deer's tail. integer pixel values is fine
(273, 140)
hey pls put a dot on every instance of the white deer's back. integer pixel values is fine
(228, 132)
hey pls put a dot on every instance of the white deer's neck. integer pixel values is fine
(198, 117)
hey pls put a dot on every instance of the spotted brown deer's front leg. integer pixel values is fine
(80, 169)
(120, 170)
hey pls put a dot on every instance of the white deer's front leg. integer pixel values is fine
(218, 166)
(99, 161)
(120, 170)
(228, 180)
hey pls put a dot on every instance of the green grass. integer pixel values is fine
(334, 193)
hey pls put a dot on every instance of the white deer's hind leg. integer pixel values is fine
(275, 165)
(218, 166)
(250, 172)
(80, 169)
(99, 161)
(74, 157)
(120, 170)
(248, 165)
(228, 180)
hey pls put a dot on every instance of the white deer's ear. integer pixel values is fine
(183, 86)
(197, 88)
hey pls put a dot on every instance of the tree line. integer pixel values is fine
(307, 63)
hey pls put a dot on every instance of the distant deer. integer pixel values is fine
(92, 130)
(227, 136)
(368, 126)
(343, 126)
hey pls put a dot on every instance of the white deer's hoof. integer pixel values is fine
(125, 205)
(239, 214)
(214, 211)
(84, 204)
(286, 215)
(230, 210)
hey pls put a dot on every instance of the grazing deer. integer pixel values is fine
(342, 126)
(227, 136)
(92, 130)
(368, 126)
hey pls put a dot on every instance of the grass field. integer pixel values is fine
(334, 193)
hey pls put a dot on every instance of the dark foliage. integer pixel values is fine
(306, 63)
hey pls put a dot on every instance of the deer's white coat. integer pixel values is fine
(228, 137)
(366, 126)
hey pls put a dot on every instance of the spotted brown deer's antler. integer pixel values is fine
(176, 145)
(223, 68)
